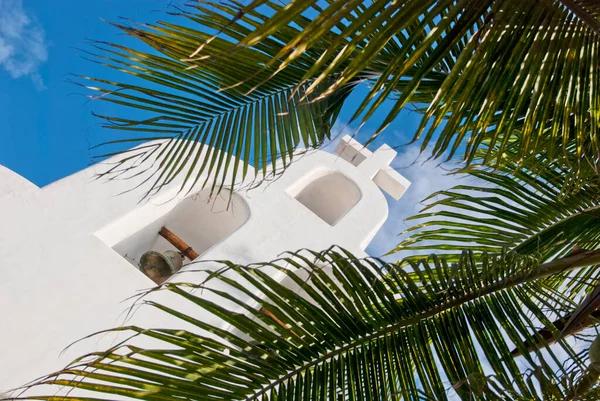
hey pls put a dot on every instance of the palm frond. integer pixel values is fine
(338, 327)
(223, 131)
(507, 64)
(226, 97)
(526, 211)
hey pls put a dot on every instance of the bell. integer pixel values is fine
(160, 266)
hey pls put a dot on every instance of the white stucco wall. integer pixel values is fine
(62, 246)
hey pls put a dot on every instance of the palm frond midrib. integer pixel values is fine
(519, 277)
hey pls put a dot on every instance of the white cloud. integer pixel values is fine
(426, 177)
(23, 46)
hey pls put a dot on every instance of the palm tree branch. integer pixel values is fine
(494, 83)
(266, 351)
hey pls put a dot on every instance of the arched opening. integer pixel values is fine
(204, 222)
(330, 197)
(199, 220)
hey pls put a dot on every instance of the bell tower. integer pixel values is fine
(75, 253)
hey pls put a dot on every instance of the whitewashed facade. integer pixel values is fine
(69, 251)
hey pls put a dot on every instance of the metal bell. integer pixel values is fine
(160, 266)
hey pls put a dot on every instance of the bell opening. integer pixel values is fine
(199, 220)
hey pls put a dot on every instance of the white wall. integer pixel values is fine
(61, 249)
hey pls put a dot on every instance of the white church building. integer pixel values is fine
(70, 252)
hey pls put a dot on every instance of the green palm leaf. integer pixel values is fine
(193, 121)
(338, 327)
(507, 64)
(514, 207)
(533, 207)
(232, 105)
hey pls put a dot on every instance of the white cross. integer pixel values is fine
(375, 165)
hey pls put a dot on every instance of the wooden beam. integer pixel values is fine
(178, 243)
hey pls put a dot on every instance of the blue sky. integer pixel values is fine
(47, 125)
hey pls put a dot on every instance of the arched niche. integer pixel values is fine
(204, 221)
(200, 220)
(330, 196)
